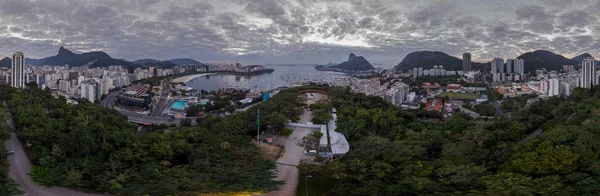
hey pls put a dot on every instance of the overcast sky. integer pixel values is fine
(298, 31)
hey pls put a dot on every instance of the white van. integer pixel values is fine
(310, 152)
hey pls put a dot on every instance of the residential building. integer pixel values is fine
(64, 86)
(553, 87)
(18, 70)
(509, 66)
(90, 91)
(467, 62)
(544, 86)
(497, 65)
(519, 65)
(566, 89)
(588, 73)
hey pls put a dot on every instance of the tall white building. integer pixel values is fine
(106, 85)
(588, 73)
(18, 70)
(519, 65)
(90, 91)
(553, 87)
(497, 65)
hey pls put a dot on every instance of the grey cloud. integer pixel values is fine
(266, 8)
(268, 31)
(576, 18)
(536, 18)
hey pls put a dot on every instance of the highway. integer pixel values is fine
(20, 166)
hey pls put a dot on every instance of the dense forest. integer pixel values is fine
(89, 147)
(392, 154)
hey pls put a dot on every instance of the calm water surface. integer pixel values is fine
(284, 75)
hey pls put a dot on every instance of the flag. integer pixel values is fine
(258, 118)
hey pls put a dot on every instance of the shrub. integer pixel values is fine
(286, 132)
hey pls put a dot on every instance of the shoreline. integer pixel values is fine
(187, 78)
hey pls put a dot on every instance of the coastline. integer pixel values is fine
(187, 78)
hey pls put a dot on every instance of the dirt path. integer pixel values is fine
(292, 156)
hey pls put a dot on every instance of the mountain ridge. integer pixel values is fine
(428, 59)
(534, 60)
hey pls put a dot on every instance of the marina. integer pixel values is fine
(282, 76)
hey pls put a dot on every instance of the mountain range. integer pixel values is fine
(541, 59)
(428, 59)
(355, 63)
(96, 59)
(535, 60)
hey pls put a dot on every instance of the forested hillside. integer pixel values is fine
(87, 146)
(392, 154)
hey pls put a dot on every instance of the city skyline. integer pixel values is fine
(299, 32)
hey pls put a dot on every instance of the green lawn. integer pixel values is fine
(317, 185)
(458, 96)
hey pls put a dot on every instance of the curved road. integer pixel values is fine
(19, 169)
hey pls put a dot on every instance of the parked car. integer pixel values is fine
(310, 152)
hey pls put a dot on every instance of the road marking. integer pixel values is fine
(285, 164)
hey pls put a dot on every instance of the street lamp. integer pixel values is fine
(6, 153)
(306, 183)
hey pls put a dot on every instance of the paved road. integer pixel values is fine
(532, 134)
(20, 167)
(496, 104)
(163, 101)
(293, 154)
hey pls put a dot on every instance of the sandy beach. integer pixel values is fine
(185, 79)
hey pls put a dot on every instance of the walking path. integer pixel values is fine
(286, 170)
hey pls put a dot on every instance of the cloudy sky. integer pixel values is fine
(298, 31)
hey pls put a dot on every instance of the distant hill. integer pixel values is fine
(185, 62)
(428, 59)
(29, 61)
(6, 62)
(154, 62)
(580, 58)
(93, 59)
(541, 59)
(355, 63)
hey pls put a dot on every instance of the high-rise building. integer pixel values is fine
(553, 87)
(588, 73)
(64, 85)
(466, 62)
(544, 86)
(90, 91)
(420, 71)
(497, 64)
(519, 65)
(18, 70)
(415, 72)
(509, 66)
(566, 89)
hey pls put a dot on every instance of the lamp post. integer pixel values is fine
(6, 153)
(306, 183)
